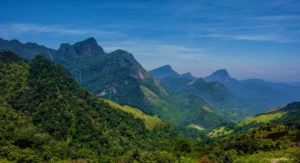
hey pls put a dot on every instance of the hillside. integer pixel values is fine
(46, 116)
(286, 114)
(118, 77)
(272, 135)
(281, 114)
(150, 121)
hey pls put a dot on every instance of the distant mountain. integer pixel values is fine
(211, 91)
(188, 84)
(262, 93)
(164, 71)
(226, 103)
(188, 75)
(221, 76)
(118, 77)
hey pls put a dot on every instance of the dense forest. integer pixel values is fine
(119, 77)
(45, 116)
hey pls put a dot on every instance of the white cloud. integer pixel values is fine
(251, 37)
(157, 49)
(17, 29)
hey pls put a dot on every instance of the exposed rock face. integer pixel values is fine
(138, 74)
(101, 94)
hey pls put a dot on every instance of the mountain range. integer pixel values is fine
(267, 94)
(118, 77)
(45, 116)
(230, 97)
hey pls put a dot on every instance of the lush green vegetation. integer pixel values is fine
(264, 118)
(222, 131)
(45, 116)
(150, 121)
(195, 127)
(118, 77)
(288, 114)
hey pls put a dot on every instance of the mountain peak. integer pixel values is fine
(164, 71)
(90, 40)
(220, 76)
(88, 47)
(200, 81)
(64, 45)
(188, 75)
(221, 72)
(166, 67)
(15, 41)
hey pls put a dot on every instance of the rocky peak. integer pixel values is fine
(88, 47)
(221, 73)
(164, 71)
(64, 46)
(14, 41)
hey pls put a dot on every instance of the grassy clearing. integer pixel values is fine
(264, 118)
(219, 132)
(150, 121)
(207, 109)
(196, 127)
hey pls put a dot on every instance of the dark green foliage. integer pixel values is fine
(118, 77)
(183, 145)
(46, 116)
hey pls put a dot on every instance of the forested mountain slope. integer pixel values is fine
(287, 114)
(118, 77)
(46, 116)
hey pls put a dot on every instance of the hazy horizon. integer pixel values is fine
(251, 39)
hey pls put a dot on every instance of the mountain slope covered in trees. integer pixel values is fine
(46, 116)
(118, 77)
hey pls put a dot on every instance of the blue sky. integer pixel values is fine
(250, 38)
